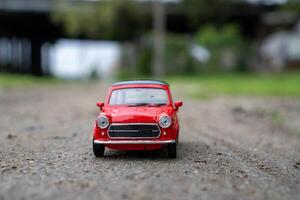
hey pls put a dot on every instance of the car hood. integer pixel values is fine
(137, 114)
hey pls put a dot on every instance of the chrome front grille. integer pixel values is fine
(139, 130)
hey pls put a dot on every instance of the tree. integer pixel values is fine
(291, 6)
(114, 20)
(225, 44)
(202, 11)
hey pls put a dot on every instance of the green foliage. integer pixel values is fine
(219, 40)
(104, 19)
(291, 6)
(144, 61)
(216, 38)
(176, 57)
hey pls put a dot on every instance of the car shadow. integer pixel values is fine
(185, 150)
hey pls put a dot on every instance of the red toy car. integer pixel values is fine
(137, 115)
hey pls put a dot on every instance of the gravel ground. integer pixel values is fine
(230, 148)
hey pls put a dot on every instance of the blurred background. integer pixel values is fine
(166, 39)
(234, 63)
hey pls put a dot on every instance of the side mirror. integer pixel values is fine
(100, 104)
(177, 104)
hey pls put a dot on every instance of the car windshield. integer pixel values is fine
(139, 97)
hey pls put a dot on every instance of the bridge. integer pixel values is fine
(25, 27)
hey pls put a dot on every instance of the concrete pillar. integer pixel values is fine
(36, 64)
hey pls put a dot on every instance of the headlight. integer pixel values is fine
(165, 121)
(103, 122)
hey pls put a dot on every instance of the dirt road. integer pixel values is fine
(230, 148)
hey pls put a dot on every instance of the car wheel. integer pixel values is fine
(172, 150)
(98, 149)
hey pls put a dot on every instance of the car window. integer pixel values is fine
(129, 96)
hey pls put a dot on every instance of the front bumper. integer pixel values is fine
(134, 141)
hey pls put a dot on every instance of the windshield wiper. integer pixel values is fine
(137, 104)
(156, 104)
(147, 104)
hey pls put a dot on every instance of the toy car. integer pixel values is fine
(137, 115)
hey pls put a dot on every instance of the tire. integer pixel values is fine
(172, 150)
(98, 149)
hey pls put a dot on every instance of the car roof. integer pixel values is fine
(140, 82)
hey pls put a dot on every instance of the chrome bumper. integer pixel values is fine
(133, 141)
